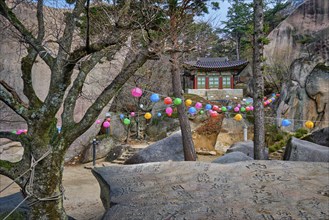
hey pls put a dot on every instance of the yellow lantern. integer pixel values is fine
(238, 117)
(147, 115)
(309, 124)
(188, 102)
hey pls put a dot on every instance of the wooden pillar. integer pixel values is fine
(207, 82)
(220, 82)
(232, 82)
(195, 85)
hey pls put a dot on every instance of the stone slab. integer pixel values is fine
(195, 190)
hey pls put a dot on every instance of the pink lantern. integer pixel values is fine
(108, 119)
(198, 105)
(239, 105)
(106, 124)
(132, 114)
(251, 108)
(169, 111)
(215, 108)
(213, 114)
(20, 131)
(25, 131)
(265, 98)
(278, 95)
(136, 92)
(236, 109)
(98, 121)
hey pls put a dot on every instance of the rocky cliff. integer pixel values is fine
(299, 51)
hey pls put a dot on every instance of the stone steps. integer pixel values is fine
(128, 153)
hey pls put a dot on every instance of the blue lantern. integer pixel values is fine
(159, 114)
(229, 107)
(285, 123)
(155, 97)
(122, 116)
(208, 107)
(192, 110)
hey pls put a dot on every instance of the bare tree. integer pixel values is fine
(39, 173)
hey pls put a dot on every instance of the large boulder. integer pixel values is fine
(103, 147)
(232, 158)
(246, 147)
(298, 54)
(230, 133)
(196, 190)
(170, 148)
(299, 150)
(320, 137)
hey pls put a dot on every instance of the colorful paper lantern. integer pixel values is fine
(126, 121)
(265, 98)
(148, 115)
(154, 97)
(277, 95)
(192, 110)
(167, 101)
(159, 114)
(236, 109)
(224, 109)
(198, 105)
(98, 121)
(213, 114)
(207, 107)
(285, 123)
(121, 116)
(188, 102)
(215, 107)
(238, 105)
(247, 108)
(309, 124)
(238, 117)
(229, 108)
(25, 131)
(201, 112)
(59, 129)
(108, 119)
(106, 124)
(177, 101)
(14, 132)
(251, 108)
(136, 92)
(169, 110)
(132, 114)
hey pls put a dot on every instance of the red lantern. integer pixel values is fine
(167, 101)
(108, 119)
(215, 108)
(213, 114)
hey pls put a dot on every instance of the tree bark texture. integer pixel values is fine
(188, 145)
(259, 126)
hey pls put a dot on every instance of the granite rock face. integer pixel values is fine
(298, 54)
(196, 190)
(103, 147)
(320, 137)
(232, 158)
(170, 148)
(299, 150)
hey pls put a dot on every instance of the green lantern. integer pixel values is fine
(224, 109)
(126, 121)
(177, 101)
(201, 112)
(243, 109)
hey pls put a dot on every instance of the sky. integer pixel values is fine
(215, 17)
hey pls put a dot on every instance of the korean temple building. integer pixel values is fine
(215, 76)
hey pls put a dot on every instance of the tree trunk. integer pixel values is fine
(259, 128)
(45, 186)
(188, 145)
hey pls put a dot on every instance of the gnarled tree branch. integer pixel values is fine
(9, 96)
(86, 67)
(26, 34)
(108, 93)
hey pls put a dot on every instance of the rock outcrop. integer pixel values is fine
(299, 150)
(320, 137)
(298, 58)
(195, 190)
(246, 147)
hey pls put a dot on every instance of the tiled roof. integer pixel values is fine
(216, 63)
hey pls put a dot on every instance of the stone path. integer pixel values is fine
(251, 190)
